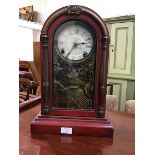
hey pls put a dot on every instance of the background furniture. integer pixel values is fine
(23, 66)
(122, 58)
(29, 89)
(122, 143)
(110, 88)
(130, 106)
(29, 103)
(25, 88)
(29, 32)
(27, 69)
(111, 102)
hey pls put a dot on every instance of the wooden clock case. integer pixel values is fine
(81, 122)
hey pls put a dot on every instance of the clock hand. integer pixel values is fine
(81, 43)
(74, 45)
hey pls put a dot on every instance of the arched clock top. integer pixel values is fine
(72, 11)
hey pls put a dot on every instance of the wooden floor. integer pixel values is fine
(123, 142)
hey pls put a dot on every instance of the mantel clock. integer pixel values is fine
(74, 63)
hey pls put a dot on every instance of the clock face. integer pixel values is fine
(74, 41)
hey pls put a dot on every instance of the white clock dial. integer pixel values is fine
(74, 41)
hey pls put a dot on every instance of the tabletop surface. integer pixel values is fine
(122, 143)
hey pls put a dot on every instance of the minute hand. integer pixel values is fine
(74, 45)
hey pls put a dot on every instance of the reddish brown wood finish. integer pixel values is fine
(122, 143)
(96, 124)
(83, 126)
(94, 20)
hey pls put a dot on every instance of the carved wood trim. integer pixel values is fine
(73, 9)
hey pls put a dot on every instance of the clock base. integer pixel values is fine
(78, 126)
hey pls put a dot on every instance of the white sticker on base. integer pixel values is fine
(65, 130)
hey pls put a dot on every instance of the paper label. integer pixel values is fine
(65, 130)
